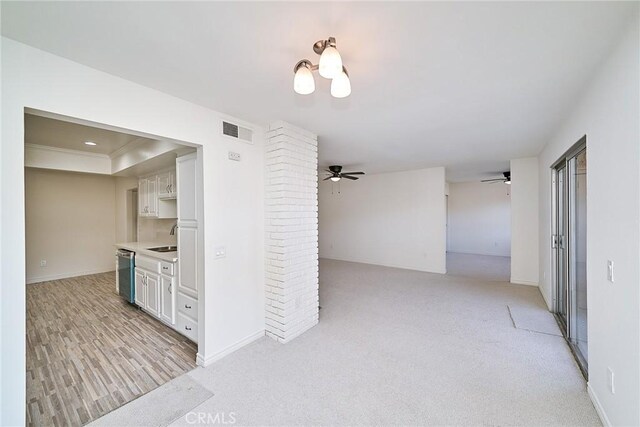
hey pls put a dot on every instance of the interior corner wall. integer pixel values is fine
(479, 218)
(233, 198)
(393, 219)
(70, 224)
(524, 221)
(608, 113)
(123, 185)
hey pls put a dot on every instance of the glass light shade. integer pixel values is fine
(330, 63)
(303, 82)
(335, 178)
(508, 182)
(341, 86)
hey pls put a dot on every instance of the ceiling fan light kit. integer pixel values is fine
(337, 174)
(329, 67)
(506, 179)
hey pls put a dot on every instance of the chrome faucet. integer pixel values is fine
(173, 229)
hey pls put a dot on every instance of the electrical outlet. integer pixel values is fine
(220, 252)
(236, 157)
(43, 263)
(612, 386)
(610, 276)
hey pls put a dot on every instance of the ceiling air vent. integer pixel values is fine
(235, 131)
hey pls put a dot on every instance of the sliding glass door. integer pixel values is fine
(560, 243)
(570, 248)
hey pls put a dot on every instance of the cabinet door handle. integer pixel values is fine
(187, 328)
(168, 188)
(169, 288)
(187, 306)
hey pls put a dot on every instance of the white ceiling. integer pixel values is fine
(71, 136)
(467, 85)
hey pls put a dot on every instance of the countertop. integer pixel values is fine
(142, 249)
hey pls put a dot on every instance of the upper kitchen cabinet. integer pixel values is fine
(150, 204)
(147, 199)
(167, 188)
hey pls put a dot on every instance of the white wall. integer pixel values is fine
(524, 221)
(608, 113)
(70, 223)
(479, 219)
(123, 213)
(393, 219)
(233, 289)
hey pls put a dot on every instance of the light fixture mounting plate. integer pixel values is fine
(321, 45)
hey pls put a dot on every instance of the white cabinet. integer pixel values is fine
(167, 300)
(152, 201)
(167, 185)
(188, 260)
(140, 288)
(153, 294)
(147, 291)
(147, 197)
(188, 185)
(155, 288)
(151, 204)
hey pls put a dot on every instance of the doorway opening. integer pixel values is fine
(569, 244)
(478, 227)
(105, 308)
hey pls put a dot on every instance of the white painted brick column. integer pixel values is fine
(291, 212)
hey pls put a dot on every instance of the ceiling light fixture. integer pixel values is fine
(335, 178)
(90, 143)
(329, 67)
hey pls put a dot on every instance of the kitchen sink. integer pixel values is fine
(164, 249)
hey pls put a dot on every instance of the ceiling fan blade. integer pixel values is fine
(348, 177)
(492, 180)
(352, 173)
(327, 178)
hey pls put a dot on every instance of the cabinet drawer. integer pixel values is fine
(148, 264)
(187, 327)
(167, 268)
(188, 306)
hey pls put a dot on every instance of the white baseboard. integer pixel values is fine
(402, 267)
(31, 280)
(523, 282)
(545, 298)
(598, 406)
(206, 361)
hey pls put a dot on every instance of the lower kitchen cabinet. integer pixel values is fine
(153, 294)
(168, 300)
(147, 291)
(140, 292)
(156, 294)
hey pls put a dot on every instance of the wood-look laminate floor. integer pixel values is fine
(89, 352)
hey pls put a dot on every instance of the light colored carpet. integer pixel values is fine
(486, 267)
(532, 319)
(401, 347)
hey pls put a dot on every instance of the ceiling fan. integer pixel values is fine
(506, 179)
(337, 174)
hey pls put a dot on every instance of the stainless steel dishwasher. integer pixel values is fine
(126, 279)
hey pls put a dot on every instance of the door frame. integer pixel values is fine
(566, 327)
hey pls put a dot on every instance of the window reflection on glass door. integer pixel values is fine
(570, 248)
(578, 254)
(560, 244)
